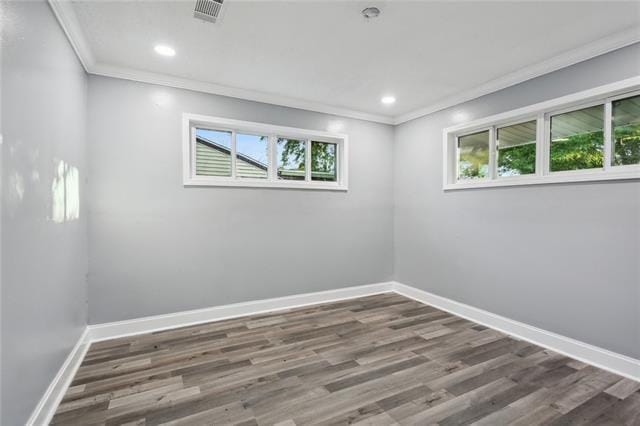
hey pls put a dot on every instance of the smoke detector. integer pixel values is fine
(208, 10)
(371, 12)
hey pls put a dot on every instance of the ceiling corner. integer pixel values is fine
(66, 16)
(599, 47)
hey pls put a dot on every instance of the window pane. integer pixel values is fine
(473, 160)
(626, 131)
(577, 139)
(323, 161)
(252, 153)
(517, 149)
(213, 153)
(291, 159)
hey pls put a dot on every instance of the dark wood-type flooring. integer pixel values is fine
(376, 360)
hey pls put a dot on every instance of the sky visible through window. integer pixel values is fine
(253, 146)
(249, 145)
(219, 137)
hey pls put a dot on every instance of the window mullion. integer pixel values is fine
(192, 153)
(493, 153)
(233, 154)
(338, 162)
(307, 164)
(273, 161)
(608, 142)
(540, 145)
(456, 166)
(546, 145)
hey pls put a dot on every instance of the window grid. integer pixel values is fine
(542, 174)
(234, 155)
(192, 122)
(307, 161)
(272, 169)
(608, 135)
(499, 146)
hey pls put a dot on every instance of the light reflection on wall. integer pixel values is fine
(460, 116)
(335, 126)
(65, 191)
(161, 99)
(16, 182)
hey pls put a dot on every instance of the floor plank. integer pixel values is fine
(376, 360)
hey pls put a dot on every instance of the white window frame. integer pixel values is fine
(192, 121)
(494, 166)
(542, 113)
(457, 165)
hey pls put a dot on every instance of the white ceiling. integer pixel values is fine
(326, 56)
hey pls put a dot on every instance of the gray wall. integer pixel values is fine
(44, 264)
(561, 257)
(158, 247)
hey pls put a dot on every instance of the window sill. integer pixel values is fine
(630, 173)
(195, 182)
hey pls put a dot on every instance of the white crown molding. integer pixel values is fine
(63, 10)
(217, 89)
(563, 60)
(66, 16)
(49, 402)
(602, 358)
(571, 100)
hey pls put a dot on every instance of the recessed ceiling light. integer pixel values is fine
(388, 100)
(164, 50)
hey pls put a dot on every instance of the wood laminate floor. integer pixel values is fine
(382, 359)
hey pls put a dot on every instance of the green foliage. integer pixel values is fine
(575, 152)
(474, 163)
(627, 145)
(580, 151)
(323, 156)
(293, 154)
(517, 160)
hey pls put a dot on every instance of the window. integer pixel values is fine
(592, 135)
(626, 131)
(473, 156)
(292, 158)
(224, 152)
(577, 139)
(252, 156)
(516, 149)
(213, 152)
(324, 157)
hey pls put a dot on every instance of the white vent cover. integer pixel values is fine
(208, 10)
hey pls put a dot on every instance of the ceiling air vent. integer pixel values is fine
(208, 10)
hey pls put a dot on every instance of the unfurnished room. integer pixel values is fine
(319, 212)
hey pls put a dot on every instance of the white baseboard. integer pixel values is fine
(602, 358)
(590, 354)
(181, 319)
(49, 402)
